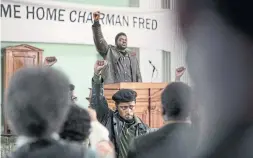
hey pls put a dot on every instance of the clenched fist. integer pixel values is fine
(96, 15)
(99, 66)
(49, 61)
(180, 71)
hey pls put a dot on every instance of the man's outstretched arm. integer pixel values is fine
(98, 100)
(100, 43)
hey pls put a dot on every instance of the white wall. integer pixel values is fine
(155, 56)
(150, 4)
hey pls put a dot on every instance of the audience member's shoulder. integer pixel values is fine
(150, 139)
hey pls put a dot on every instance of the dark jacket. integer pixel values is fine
(110, 119)
(112, 55)
(171, 141)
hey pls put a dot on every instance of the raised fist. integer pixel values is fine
(99, 66)
(180, 71)
(49, 61)
(96, 15)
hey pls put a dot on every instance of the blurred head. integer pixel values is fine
(77, 125)
(219, 39)
(219, 52)
(37, 101)
(125, 100)
(121, 41)
(176, 101)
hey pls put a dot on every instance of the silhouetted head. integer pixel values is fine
(121, 41)
(176, 101)
(77, 125)
(125, 100)
(37, 101)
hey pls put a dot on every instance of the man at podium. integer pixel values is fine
(123, 125)
(122, 65)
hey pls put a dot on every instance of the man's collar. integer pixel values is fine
(22, 140)
(124, 55)
(123, 52)
(137, 120)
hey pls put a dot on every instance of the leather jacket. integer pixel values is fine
(110, 119)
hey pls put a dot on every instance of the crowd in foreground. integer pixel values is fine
(41, 110)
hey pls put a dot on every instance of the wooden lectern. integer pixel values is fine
(148, 103)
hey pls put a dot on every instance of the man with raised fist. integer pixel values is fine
(123, 125)
(123, 66)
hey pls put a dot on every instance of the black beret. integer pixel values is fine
(124, 95)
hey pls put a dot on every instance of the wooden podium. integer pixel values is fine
(148, 103)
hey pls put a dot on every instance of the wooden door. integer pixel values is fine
(17, 57)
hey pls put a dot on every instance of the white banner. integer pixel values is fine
(59, 22)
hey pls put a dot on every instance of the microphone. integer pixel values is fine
(154, 68)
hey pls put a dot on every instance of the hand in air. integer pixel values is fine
(180, 71)
(99, 66)
(96, 15)
(49, 61)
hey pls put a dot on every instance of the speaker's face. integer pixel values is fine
(122, 42)
(126, 110)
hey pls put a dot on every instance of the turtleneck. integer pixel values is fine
(128, 122)
(123, 52)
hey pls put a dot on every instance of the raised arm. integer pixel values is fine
(179, 73)
(100, 43)
(98, 100)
